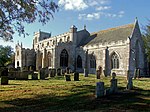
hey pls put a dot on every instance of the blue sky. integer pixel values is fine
(95, 14)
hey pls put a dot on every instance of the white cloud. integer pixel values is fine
(81, 4)
(121, 12)
(118, 15)
(97, 2)
(100, 8)
(97, 15)
(73, 4)
(90, 16)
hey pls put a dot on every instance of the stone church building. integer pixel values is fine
(118, 50)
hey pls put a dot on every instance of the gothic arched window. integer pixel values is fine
(114, 61)
(64, 58)
(92, 62)
(79, 62)
(49, 59)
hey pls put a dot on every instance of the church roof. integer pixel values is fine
(112, 34)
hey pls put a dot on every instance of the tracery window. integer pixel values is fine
(79, 62)
(64, 58)
(114, 61)
(92, 62)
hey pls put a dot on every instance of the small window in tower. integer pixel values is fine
(17, 53)
(35, 40)
(53, 42)
(42, 45)
(60, 40)
(47, 43)
(68, 39)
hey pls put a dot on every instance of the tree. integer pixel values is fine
(13, 13)
(6, 55)
(146, 39)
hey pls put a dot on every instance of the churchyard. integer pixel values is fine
(57, 94)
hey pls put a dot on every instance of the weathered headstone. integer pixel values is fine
(53, 72)
(4, 76)
(68, 77)
(138, 73)
(42, 73)
(33, 76)
(63, 71)
(113, 85)
(68, 70)
(135, 73)
(129, 81)
(85, 72)
(58, 72)
(99, 72)
(76, 76)
(99, 89)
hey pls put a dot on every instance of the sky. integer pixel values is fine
(95, 14)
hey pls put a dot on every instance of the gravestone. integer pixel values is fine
(129, 83)
(85, 72)
(4, 76)
(33, 76)
(138, 73)
(42, 73)
(76, 76)
(53, 72)
(113, 85)
(63, 71)
(68, 70)
(99, 89)
(135, 73)
(99, 72)
(58, 72)
(68, 77)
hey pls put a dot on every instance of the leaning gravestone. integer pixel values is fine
(76, 76)
(113, 86)
(99, 89)
(4, 76)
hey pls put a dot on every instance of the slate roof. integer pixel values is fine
(109, 35)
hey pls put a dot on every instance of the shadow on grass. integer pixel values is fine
(134, 100)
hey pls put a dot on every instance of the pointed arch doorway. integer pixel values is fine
(64, 58)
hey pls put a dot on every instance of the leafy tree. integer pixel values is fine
(146, 39)
(13, 13)
(6, 55)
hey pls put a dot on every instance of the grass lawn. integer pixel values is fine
(56, 94)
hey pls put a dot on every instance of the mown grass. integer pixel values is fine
(56, 94)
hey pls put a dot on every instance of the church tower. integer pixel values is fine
(73, 34)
